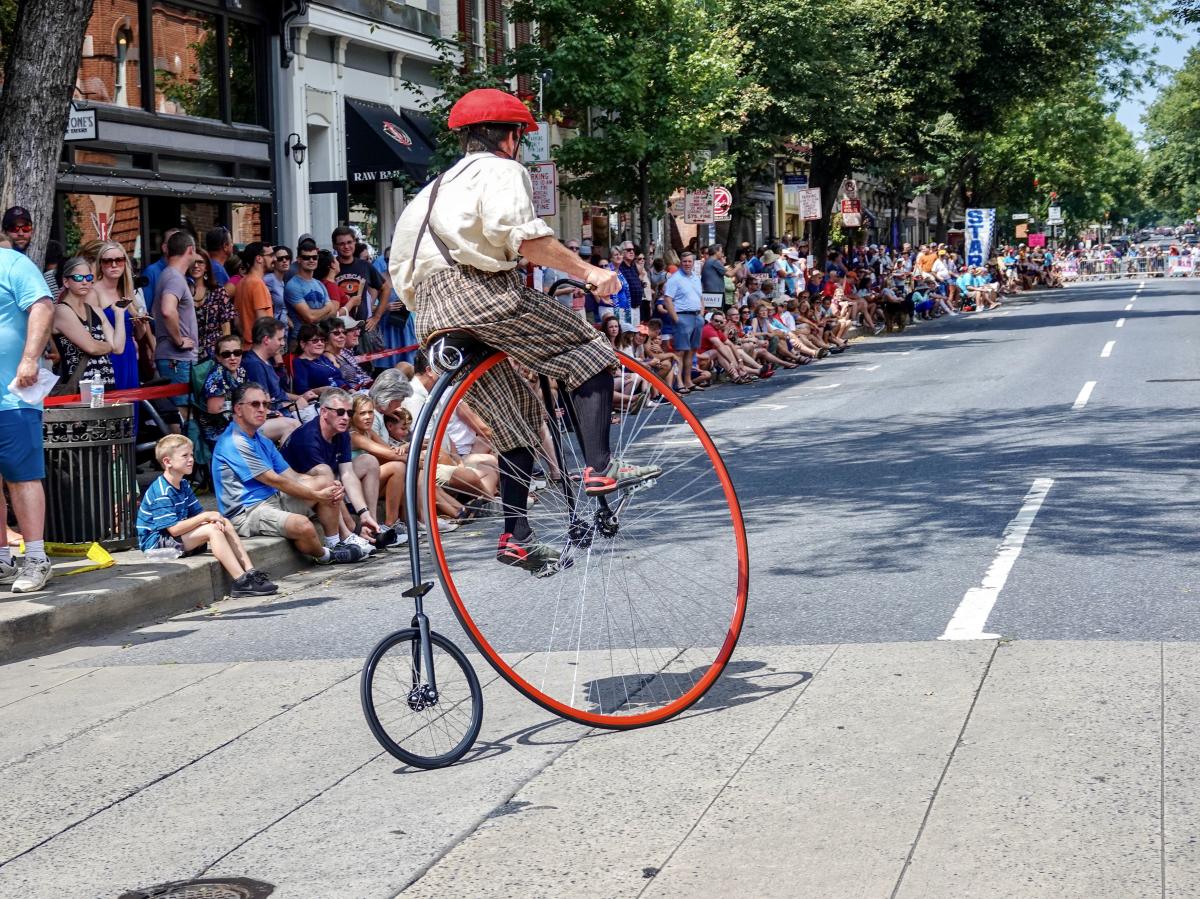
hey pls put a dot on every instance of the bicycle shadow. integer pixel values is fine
(743, 681)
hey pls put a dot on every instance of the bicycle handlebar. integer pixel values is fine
(571, 281)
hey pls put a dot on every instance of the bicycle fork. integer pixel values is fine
(424, 675)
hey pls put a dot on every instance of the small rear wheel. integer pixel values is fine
(425, 722)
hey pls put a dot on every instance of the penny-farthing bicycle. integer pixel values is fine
(633, 624)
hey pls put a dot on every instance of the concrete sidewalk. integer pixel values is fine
(134, 591)
(928, 770)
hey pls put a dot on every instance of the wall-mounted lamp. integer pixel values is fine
(293, 148)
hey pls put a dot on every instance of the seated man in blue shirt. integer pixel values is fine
(262, 496)
(321, 447)
(259, 363)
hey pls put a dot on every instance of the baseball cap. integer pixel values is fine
(15, 214)
(348, 323)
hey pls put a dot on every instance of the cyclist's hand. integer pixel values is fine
(604, 283)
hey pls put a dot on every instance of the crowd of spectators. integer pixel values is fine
(299, 424)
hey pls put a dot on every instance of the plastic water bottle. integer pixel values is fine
(96, 392)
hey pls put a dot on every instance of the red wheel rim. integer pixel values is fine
(497, 661)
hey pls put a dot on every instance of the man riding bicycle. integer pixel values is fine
(453, 261)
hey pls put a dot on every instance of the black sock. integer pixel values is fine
(593, 402)
(516, 469)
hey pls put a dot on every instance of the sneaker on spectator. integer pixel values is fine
(395, 535)
(8, 572)
(366, 546)
(249, 585)
(33, 576)
(261, 578)
(346, 553)
(879, 326)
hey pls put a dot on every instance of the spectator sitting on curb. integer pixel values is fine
(262, 496)
(226, 376)
(260, 365)
(322, 446)
(170, 517)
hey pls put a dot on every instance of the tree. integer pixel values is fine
(1172, 135)
(39, 74)
(653, 84)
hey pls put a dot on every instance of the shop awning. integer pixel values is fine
(383, 144)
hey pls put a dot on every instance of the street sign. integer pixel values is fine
(535, 146)
(850, 189)
(794, 183)
(722, 204)
(1020, 216)
(1054, 216)
(677, 207)
(544, 178)
(810, 204)
(851, 213)
(81, 125)
(698, 207)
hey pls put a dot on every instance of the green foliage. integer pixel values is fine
(195, 92)
(658, 80)
(1173, 135)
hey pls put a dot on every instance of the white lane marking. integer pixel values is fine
(1141, 284)
(972, 613)
(1108, 348)
(1084, 395)
(892, 352)
(1130, 306)
(820, 387)
(1120, 323)
(871, 368)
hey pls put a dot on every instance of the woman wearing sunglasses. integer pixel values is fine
(312, 369)
(214, 309)
(226, 376)
(115, 295)
(83, 337)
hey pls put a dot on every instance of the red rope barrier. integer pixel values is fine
(135, 394)
(383, 354)
(163, 391)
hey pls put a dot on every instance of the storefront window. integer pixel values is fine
(186, 67)
(90, 217)
(109, 70)
(243, 74)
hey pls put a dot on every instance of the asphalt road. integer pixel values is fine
(877, 489)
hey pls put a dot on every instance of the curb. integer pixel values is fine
(134, 592)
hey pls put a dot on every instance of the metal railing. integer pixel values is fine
(1138, 267)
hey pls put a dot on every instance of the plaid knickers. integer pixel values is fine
(534, 329)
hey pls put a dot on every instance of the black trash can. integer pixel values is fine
(91, 475)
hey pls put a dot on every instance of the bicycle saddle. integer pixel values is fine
(450, 349)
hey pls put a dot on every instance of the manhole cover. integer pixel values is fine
(218, 888)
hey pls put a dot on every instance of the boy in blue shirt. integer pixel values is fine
(170, 517)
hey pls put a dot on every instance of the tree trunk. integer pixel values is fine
(741, 225)
(38, 81)
(829, 166)
(644, 204)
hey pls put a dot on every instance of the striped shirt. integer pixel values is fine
(164, 506)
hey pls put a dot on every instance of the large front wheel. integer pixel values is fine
(425, 721)
(644, 607)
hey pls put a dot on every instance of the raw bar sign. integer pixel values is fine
(981, 226)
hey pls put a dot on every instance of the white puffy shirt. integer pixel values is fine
(484, 212)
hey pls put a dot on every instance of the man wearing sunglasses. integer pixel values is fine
(262, 496)
(279, 260)
(18, 227)
(322, 446)
(307, 299)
